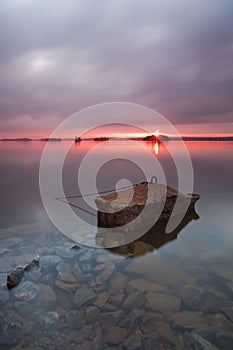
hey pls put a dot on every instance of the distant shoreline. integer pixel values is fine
(184, 138)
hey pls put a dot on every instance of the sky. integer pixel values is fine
(59, 56)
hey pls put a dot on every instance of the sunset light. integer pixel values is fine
(156, 148)
(116, 168)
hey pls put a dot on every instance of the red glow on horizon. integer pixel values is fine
(112, 135)
(116, 132)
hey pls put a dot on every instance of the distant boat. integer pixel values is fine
(77, 139)
(101, 139)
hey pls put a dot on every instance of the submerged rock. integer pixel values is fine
(84, 296)
(105, 275)
(65, 252)
(34, 264)
(167, 335)
(134, 300)
(224, 340)
(3, 279)
(196, 342)
(47, 297)
(50, 260)
(190, 320)
(102, 298)
(146, 286)
(17, 274)
(198, 298)
(26, 291)
(228, 312)
(4, 295)
(64, 271)
(76, 246)
(15, 277)
(11, 332)
(133, 342)
(4, 251)
(47, 320)
(164, 303)
(67, 287)
(115, 335)
(148, 322)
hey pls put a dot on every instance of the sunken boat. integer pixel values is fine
(128, 213)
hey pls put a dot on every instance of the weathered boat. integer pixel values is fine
(137, 209)
(115, 210)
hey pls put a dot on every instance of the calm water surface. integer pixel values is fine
(176, 297)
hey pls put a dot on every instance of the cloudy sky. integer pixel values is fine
(58, 56)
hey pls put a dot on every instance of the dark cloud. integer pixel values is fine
(59, 56)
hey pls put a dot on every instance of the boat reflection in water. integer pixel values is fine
(120, 222)
(155, 238)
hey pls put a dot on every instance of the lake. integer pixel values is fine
(166, 292)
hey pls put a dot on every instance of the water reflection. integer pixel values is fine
(155, 238)
(154, 147)
(177, 297)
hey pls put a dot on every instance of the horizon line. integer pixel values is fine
(123, 136)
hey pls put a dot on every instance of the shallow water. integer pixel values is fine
(176, 297)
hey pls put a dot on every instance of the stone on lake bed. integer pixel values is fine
(67, 287)
(47, 297)
(11, 332)
(167, 335)
(84, 296)
(3, 279)
(26, 291)
(17, 274)
(190, 320)
(145, 286)
(76, 246)
(164, 303)
(15, 277)
(34, 264)
(50, 260)
(46, 320)
(224, 271)
(65, 252)
(224, 340)
(196, 342)
(64, 271)
(228, 312)
(4, 295)
(198, 298)
(104, 275)
(101, 299)
(4, 251)
(133, 342)
(115, 335)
